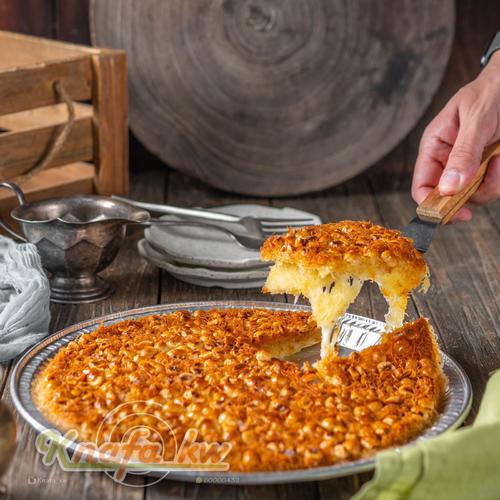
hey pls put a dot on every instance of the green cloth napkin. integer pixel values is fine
(459, 464)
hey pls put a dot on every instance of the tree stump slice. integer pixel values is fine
(276, 97)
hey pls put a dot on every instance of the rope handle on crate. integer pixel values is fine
(58, 140)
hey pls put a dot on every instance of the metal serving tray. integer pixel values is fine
(356, 331)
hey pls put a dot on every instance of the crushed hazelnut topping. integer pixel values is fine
(203, 371)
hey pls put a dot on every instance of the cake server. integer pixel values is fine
(436, 209)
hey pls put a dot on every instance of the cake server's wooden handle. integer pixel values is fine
(441, 209)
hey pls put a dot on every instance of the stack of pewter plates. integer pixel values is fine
(206, 256)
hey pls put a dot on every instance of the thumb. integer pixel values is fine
(464, 159)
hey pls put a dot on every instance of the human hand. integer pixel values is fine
(453, 143)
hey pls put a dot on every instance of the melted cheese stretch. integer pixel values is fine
(330, 294)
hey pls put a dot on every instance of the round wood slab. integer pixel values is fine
(276, 97)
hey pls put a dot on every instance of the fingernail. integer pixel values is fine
(450, 181)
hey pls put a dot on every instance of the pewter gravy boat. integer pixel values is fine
(77, 237)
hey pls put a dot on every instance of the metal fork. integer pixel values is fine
(244, 240)
(255, 227)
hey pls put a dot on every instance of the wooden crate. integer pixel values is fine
(63, 118)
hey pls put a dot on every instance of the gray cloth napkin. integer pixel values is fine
(24, 298)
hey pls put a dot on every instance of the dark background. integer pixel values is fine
(476, 22)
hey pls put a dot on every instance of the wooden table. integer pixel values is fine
(462, 303)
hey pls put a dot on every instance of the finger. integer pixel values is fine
(464, 159)
(463, 215)
(434, 150)
(489, 190)
(426, 176)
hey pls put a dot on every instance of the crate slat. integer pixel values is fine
(32, 48)
(24, 146)
(111, 131)
(75, 178)
(45, 116)
(33, 87)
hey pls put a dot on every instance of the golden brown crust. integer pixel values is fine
(204, 370)
(347, 246)
(405, 368)
(329, 263)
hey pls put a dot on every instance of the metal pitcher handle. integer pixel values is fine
(22, 201)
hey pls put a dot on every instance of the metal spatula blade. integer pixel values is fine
(357, 333)
(421, 232)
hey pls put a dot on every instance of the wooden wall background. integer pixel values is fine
(477, 21)
(62, 19)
